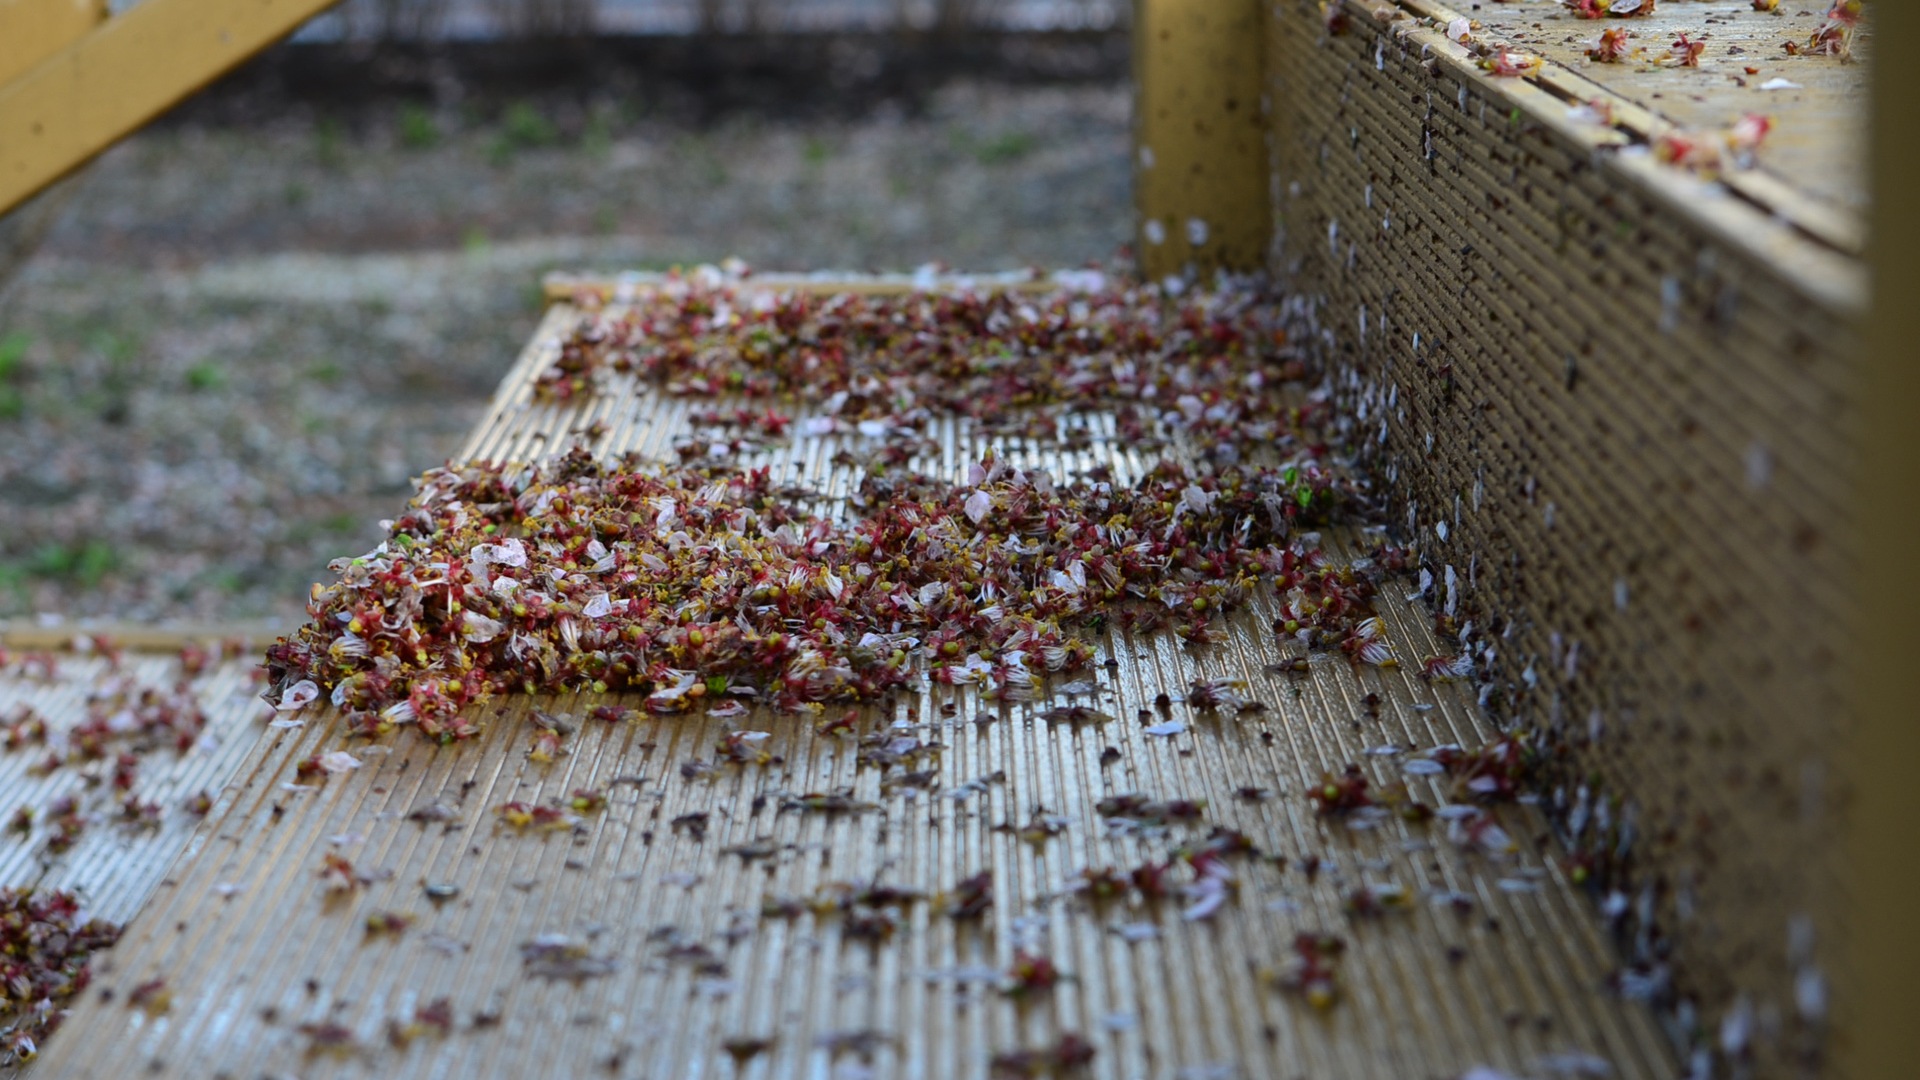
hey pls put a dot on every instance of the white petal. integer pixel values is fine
(509, 552)
(478, 628)
(1197, 500)
(299, 695)
(1212, 893)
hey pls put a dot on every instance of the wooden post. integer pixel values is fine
(1200, 171)
(1877, 1001)
(78, 101)
(32, 30)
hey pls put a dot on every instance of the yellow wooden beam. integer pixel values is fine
(78, 102)
(1200, 170)
(1878, 1001)
(32, 30)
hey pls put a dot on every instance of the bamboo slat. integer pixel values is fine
(114, 865)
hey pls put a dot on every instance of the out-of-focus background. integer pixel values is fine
(256, 319)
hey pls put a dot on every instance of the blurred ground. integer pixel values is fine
(244, 336)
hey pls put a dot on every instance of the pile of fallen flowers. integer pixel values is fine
(45, 945)
(707, 587)
(1203, 364)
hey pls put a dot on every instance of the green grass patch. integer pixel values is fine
(596, 139)
(330, 143)
(418, 129)
(88, 563)
(205, 375)
(13, 354)
(13, 351)
(1007, 147)
(522, 127)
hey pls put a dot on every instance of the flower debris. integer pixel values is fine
(1070, 1056)
(692, 585)
(126, 721)
(684, 584)
(705, 586)
(882, 365)
(45, 945)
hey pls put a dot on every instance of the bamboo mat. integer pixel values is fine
(114, 866)
(677, 971)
